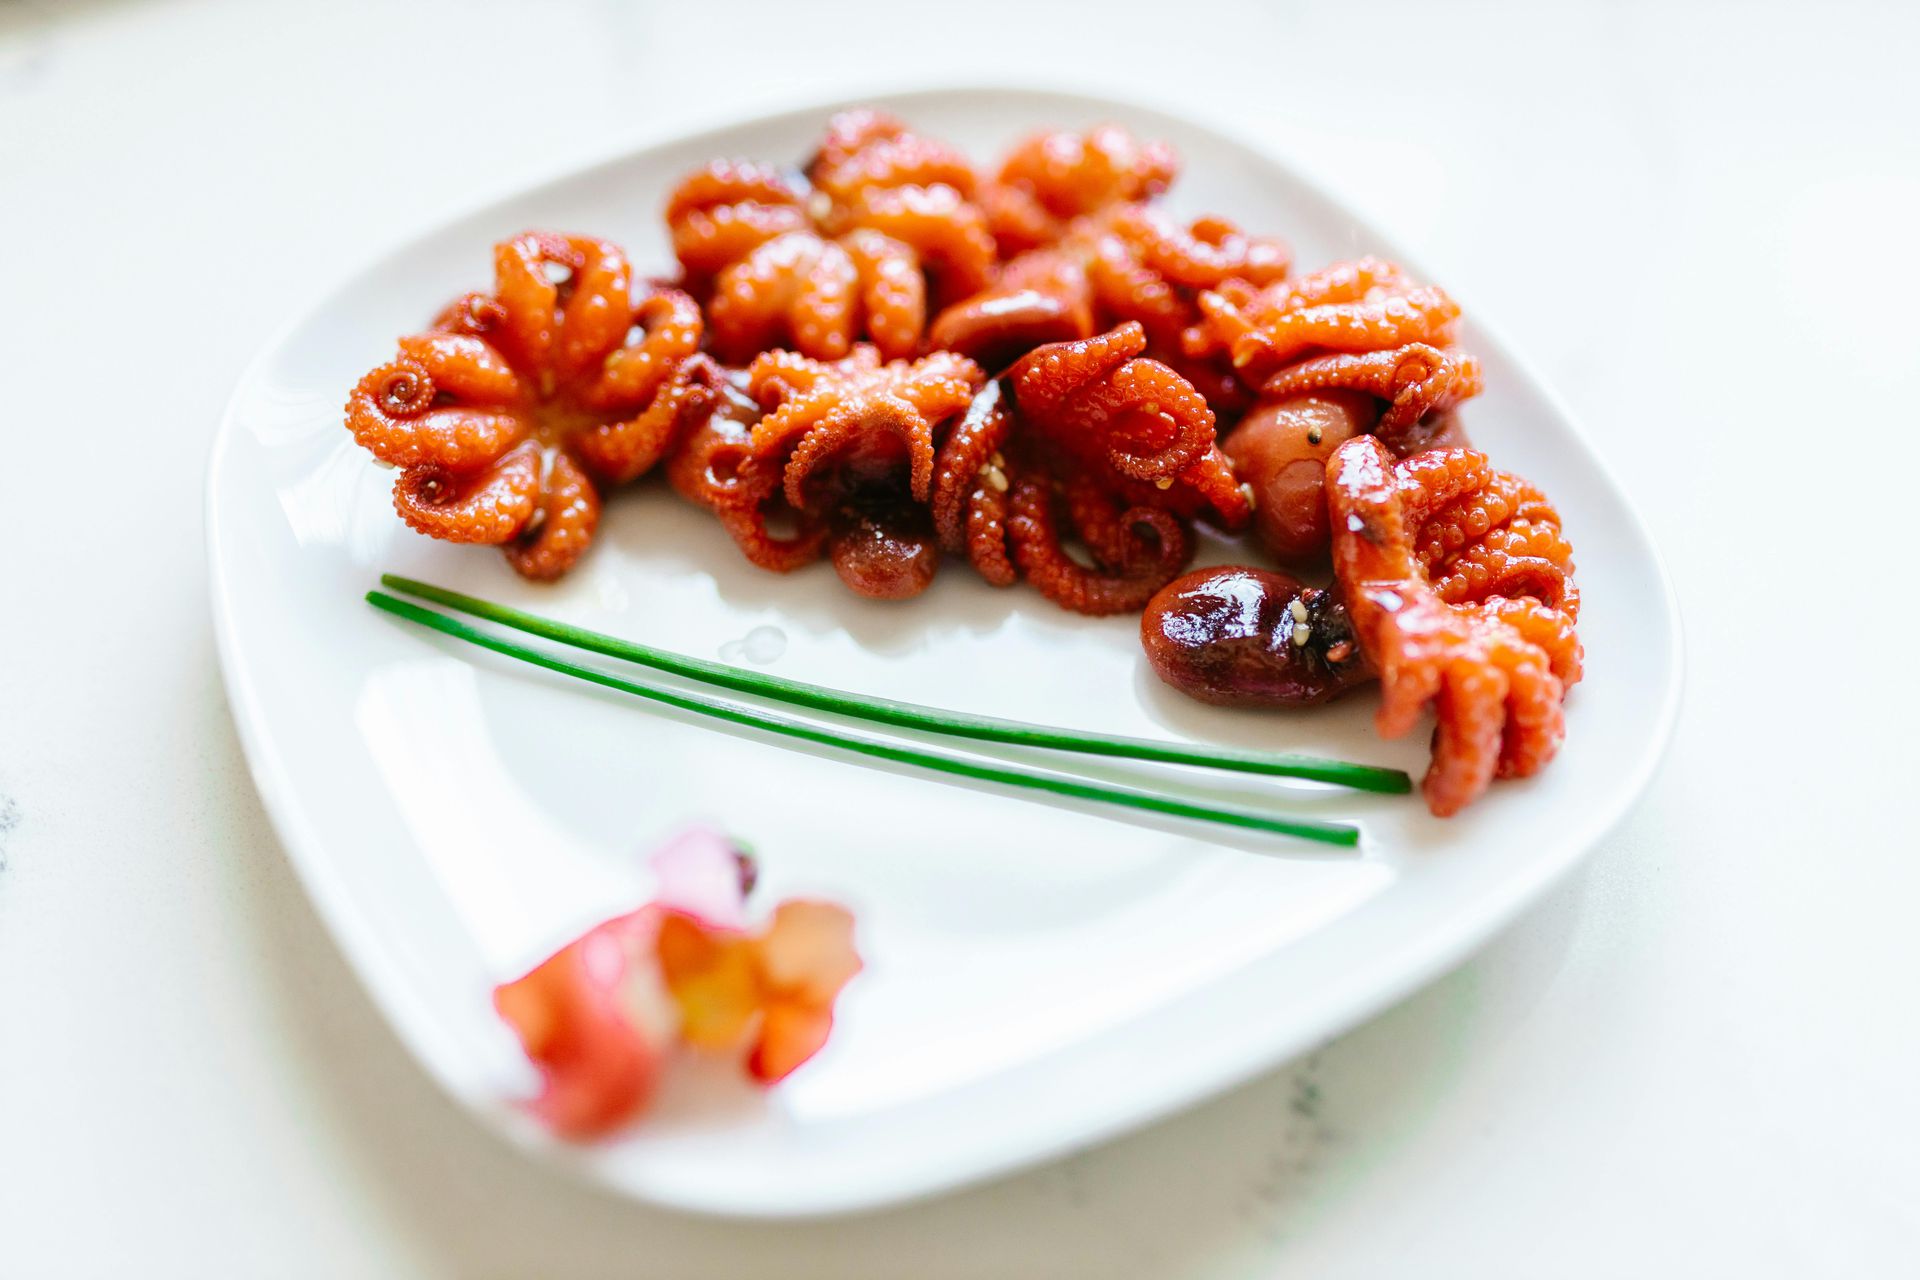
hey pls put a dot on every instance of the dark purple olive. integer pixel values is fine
(1243, 637)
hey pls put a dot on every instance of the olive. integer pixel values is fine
(1245, 637)
(887, 553)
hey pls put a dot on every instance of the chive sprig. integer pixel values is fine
(934, 760)
(909, 715)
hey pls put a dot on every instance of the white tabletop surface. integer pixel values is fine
(1697, 1057)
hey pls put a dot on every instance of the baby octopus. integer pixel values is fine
(515, 409)
(1052, 178)
(1128, 263)
(1459, 588)
(839, 435)
(848, 252)
(1088, 442)
(1003, 511)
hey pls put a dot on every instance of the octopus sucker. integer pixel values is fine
(1147, 420)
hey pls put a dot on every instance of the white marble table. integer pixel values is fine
(1698, 1057)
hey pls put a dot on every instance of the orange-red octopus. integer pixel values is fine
(1128, 263)
(1115, 452)
(1460, 590)
(852, 442)
(515, 409)
(851, 251)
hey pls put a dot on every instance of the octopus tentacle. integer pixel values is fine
(465, 368)
(1522, 559)
(562, 525)
(623, 450)
(1549, 629)
(490, 506)
(669, 326)
(848, 422)
(988, 508)
(1359, 306)
(1128, 291)
(1034, 533)
(598, 308)
(392, 415)
(817, 410)
(969, 501)
(1429, 482)
(1504, 499)
(1203, 255)
(719, 214)
(893, 293)
(714, 468)
(962, 461)
(742, 512)
(1208, 487)
(824, 310)
(475, 315)
(1113, 533)
(938, 223)
(1049, 179)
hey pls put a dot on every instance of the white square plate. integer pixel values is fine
(1039, 977)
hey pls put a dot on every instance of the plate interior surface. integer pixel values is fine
(1038, 976)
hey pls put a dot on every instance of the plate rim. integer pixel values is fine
(1368, 990)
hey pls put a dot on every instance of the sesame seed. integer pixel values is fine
(1246, 491)
(1300, 635)
(1164, 482)
(1298, 610)
(995, 477)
